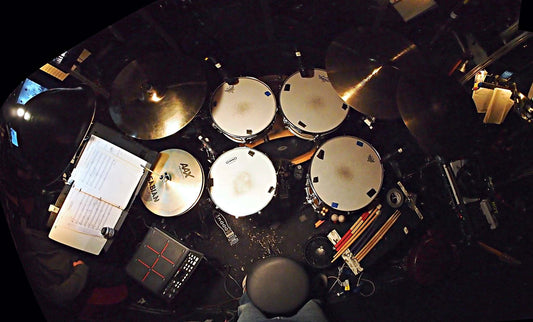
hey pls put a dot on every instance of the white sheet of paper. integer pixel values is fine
(102, 184)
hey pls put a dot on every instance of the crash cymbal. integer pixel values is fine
(175, 185)
(364, 66)
(157, 95)
(439, 113)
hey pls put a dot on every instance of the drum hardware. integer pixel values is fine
(242, 181)
(369, 121)
(206, 147)
(395, 198)
(222, 72)
(175, 186)
(345, 175)
(364, 67)
(157, 95)
(304, 72)
(222, 223)
(411, 200)
(318, 252)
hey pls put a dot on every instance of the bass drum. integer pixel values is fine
(345, 174)
(310, 105)
(242, 181)
(244, 111)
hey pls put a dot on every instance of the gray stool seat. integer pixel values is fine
(277, 285)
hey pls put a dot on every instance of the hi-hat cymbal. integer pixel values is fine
(364, 66)
(439, 113)
(157, 95)
(175, 185)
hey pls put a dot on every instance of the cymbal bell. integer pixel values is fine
(157, 95)
(175, 185)
(364, 65)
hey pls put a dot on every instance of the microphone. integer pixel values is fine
(222, 72)
(305, 73)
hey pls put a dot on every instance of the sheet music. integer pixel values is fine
(102, 184)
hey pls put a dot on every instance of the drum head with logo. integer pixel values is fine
(242, 181)
(311, 104)
(176, 187)
(346, 173)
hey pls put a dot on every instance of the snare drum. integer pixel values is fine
(242, 181)
(345, 174)
(244, 111)
(310, 105)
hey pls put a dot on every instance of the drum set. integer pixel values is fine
(344, 174)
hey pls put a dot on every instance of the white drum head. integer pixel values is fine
(242, 181)
(311, 104)
(346, 173)
(177, 186)
(244, 109)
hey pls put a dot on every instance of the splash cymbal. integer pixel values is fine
(364, 66)
(157, 95)
(175, 185)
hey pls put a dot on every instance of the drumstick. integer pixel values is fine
(378, 236)
(357, 226)
(380, 232)
(354, 227)
(362, 228)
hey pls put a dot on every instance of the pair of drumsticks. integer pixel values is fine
(358, 228)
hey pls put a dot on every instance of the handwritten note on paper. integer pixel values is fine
(102, 184)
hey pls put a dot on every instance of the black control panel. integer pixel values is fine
(162, 264)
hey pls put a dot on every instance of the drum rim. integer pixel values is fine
(291, 124)
(310, 181)
(240, 138)
(264, 157)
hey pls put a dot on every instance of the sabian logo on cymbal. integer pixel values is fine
(323, 78)
(371, 159)
(185, 170)
(153, 189)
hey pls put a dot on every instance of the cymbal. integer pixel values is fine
(157, 95)
(175, 185)
(364, 65)
(439, 113)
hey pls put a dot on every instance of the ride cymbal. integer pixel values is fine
(364, 66)
(439, 113)
(157, 95)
